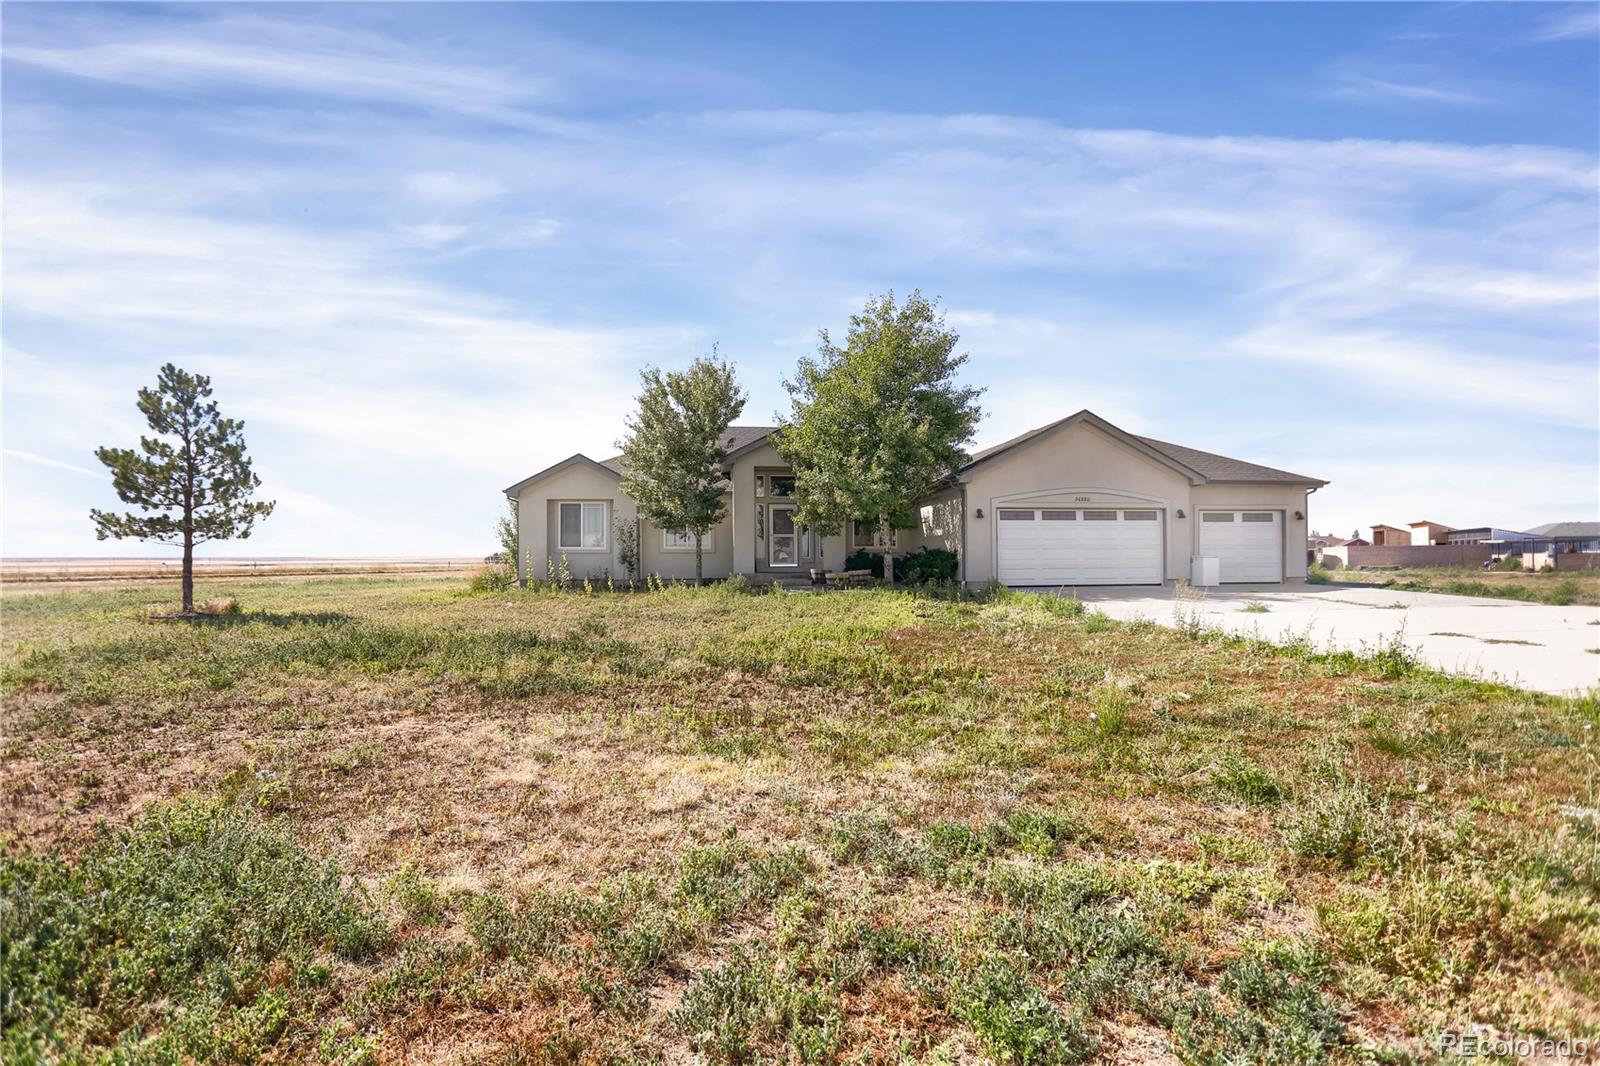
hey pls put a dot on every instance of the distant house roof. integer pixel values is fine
(1397, 529)
(1441, 525)
(1199, 465)
(1567, 529)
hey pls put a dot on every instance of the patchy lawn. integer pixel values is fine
(1558, 589)
(386, 820)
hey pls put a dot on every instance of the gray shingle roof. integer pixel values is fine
(1208, 465)
(1221, 468)
(738, 437)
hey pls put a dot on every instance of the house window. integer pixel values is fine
(782, 484)
(583, 526)
(1016, 516)
(676, 540)
(1099, 516)
(1217, 516)
(1258, 516)
(1138, 516)
(1059, 516)
(864, 534)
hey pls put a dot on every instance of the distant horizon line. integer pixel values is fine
(226, 558)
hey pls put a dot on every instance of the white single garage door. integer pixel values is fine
(1247, 544)
(1055, 546)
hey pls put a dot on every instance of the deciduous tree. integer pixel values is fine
(675, 448)
(878, 422)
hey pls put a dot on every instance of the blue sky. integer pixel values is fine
(424, 250)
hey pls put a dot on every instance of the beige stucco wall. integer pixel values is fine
(830, 551)
(538, 518)
(734, 550)
(938, 524)
(1080, 465)
(1075, 466)
(718, 561)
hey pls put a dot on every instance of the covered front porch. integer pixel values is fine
(769, 543)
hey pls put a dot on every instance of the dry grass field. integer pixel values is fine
(394, 820)
(1560, 589)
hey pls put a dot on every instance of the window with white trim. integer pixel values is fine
(676, 540)
(864, 534)
(583, 526)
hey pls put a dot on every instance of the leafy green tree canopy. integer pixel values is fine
(878, 422)
(191, 480)
(676, 446)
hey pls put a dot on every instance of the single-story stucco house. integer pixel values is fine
(1076, 502)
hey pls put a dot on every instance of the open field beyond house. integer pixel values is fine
(391, 820)
(1559, 588)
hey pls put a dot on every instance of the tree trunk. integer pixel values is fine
(888, 550)
(699, 561)
(188, 573)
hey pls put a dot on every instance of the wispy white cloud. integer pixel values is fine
(54, 464)
(297, 57)
(1370, 88)
(1583, 21)
(435, 331)
(454, 189)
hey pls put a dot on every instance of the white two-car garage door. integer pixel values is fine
(1247, 544)
(1055, 546)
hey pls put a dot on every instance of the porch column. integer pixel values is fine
(744, 518)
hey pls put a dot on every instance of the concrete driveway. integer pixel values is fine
(1524, 644)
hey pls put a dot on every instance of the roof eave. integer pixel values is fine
(749, 446)
(1115, 433)
(555, 468)
(1294, 480)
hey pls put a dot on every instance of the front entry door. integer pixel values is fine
(782, 537)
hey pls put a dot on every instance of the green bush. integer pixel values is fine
(864, 560)
(1563, 594)
(492, 578)
(1510, 563)
(927, 565)
(198, 934)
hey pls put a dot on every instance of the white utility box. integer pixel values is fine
(1204, 570)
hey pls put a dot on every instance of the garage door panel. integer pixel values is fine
(1248, 545)
(1107, 549)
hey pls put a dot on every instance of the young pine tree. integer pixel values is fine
(191, 480)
